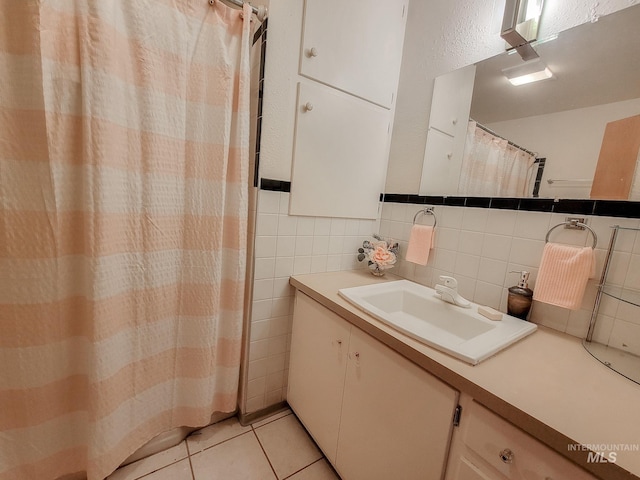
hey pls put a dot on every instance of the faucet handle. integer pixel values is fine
(449, 281)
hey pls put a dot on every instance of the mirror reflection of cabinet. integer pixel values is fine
(450, 106)
(617, 161)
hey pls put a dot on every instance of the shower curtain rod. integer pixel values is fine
(260, 12)
(479, 125)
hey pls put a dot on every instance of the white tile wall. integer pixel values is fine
(288, 245)
(480, 247)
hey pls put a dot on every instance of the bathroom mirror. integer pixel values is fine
(596, 80)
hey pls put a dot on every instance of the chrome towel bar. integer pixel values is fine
(426, 211)
(577, 224)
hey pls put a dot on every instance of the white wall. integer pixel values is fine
(569, 140)
(443, 35)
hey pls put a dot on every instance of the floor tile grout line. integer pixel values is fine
(220, 443)
(271, 420)
(264, 451)
(186, 444)
(161, 468)
(303, 468)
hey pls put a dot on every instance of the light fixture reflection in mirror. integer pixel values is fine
(528, 72)
(596, 81)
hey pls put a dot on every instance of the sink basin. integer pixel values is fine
(417, 311)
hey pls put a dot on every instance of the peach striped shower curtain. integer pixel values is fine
(123, 225)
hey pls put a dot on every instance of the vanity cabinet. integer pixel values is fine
(349, 44)
(487, 447)
(375, 414)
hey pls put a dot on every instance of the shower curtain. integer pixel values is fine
(123, 226)
(493, 168)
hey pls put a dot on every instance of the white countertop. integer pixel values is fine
(547, 384)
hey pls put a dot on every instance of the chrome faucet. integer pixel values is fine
(449, 292)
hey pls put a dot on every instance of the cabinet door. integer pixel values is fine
(396, 418)
(348, 44)
(340, 154)
(319, 343)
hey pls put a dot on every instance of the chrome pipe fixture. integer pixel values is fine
(260, 11)
(585, 181)
(603, 277)
(575, 224)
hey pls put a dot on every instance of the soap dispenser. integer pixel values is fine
(520, 297)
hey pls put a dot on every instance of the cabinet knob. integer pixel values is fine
(312, 52)
(507, 455)
(308, 107)
(454, 121)
(449, 155)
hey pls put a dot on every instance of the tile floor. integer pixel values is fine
(275, 448)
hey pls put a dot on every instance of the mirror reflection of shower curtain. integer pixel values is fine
(491, 167)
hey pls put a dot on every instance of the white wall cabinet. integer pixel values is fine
(340, 154)
(486, 447)
(355, 46)
(350, 58)
(375, 414)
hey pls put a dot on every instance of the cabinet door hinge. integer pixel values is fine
(456, 416)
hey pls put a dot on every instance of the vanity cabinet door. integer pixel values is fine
(319, 342)
(348, 44)
(396, 418)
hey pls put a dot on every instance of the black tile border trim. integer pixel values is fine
(607, 208)
(604, 208)
(275, 185)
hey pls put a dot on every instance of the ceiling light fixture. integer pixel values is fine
(531, 71)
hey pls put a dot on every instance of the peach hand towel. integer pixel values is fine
(420, 242)
(563, 275)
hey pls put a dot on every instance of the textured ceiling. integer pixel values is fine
(594, 63)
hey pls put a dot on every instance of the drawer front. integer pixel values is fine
(513, 453)
(468, 471)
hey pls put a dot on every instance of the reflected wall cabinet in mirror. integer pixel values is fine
(596, 81)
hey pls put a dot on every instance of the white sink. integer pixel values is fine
(416, 311)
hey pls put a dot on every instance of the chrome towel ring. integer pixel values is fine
(426, 211)
(577, 224)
